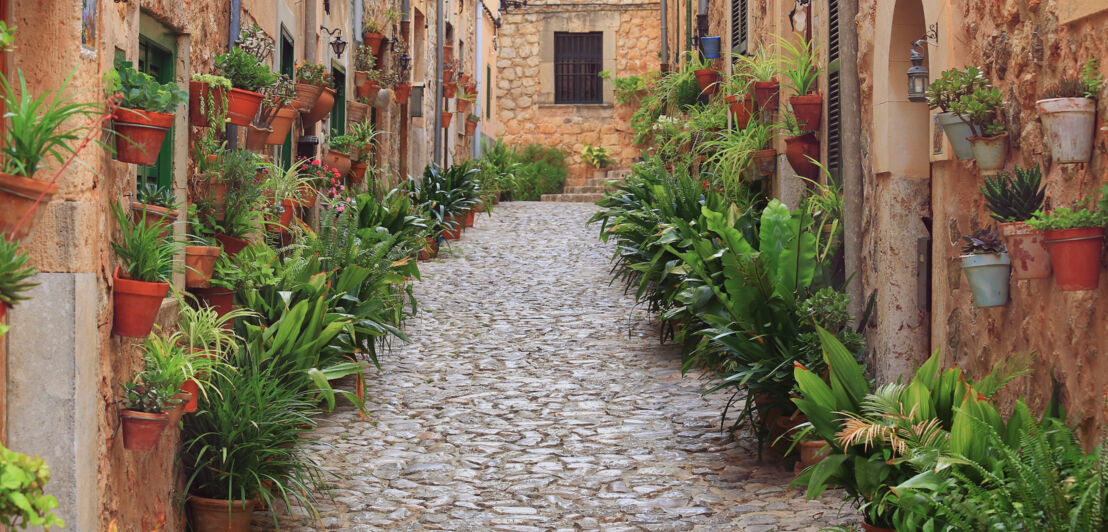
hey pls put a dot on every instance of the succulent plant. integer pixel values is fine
(1014, 199)
(13, 272)
(983, 241)
(151, 193)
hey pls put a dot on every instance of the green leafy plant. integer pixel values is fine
(953, 85)
(799, 64)
(1091, 79)
(763, 65)
(141, 91)
(151, 193)
(364, 60)
(540, 170)
(342, 143)
(596, 156)
(983, 241)
(14, 273)
(39, 127)
(274, 98)
(244, 70)
(1014, 199)
(1077, 217)
(7, 37)
(628, 89)
(313, 74)
(203, 328)
(984, 109)
(146, 255)
(23, 500)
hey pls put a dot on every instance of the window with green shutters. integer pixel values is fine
(338, 112)
(740, 32)
(834, 98)
(157, 60)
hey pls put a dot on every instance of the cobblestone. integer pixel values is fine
(534, 396)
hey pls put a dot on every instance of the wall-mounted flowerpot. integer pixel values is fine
(710, 46)
(176, 409)
(464, 105)
(199, 100)
(958, 132)
(767, 94)
(988, 275)
(449, 89)
(257, 138)
(242, 106)
(1075, 257)
(231, 245)
(288, 211)
(447, 116)
(765, 162)
(402, 92)
(808, 110)
(990, 152)
(373, 40)
(307, 197)
(369, 90)
(447, 54)
(139, 135)
(282, 124)
(708, 79)
(141, 430)
(193, 388)
(154, 216)
(220, 515)
(800, 152)
(17, 196)
(357, 172)
(338, 160)
(219, 299)
(448, 74)
(471, 128)
(321, 108)
(355, 112)
(361, 77)
(1068, 127)
(813, 452)
(135, 305)
(199, 265)
(1027, 250)
(470, 87)
(741, 109)
(306, 95)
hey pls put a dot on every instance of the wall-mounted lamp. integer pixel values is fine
(918, 76)
(338, 44)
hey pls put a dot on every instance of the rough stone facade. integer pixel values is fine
(525, 69)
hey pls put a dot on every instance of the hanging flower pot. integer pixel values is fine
(958, 132)
(321, 108)
(808, 110)
(1026, 250)
(1075, 257)
(470, 88)
(447, 116)
(199, 265)
(17, 196)
(471, 127)
(767, 94)
(198, 102)
(708, 80)
(219, 299)
(338, 160)
(1068, 127)
(307, 196)
(220, 515)
(447, 54)
(710, 46)
(402, 92)
(282, 124)
(141, 430)
(361, 77)
(373, 40)
(765, 162)
(741, 110)
(139, 135)
(802, 151)
(449, 89)
(193, 389)
(231, 245)
(176, 409)
(257, 138)
(306, 95)
(355, 112)
(155, 216)
(369, 90)
(357, 172)
(135, 305)
(463, 105)
(242, 106)
(988, 275)
(990, 152)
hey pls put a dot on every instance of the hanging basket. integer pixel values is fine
(306, 95)
(242, 106)
(139, 135)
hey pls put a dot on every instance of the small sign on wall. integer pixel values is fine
(936, 136)
(88, 24)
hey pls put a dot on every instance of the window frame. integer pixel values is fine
(580, 79)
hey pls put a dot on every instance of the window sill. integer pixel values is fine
(578, 105)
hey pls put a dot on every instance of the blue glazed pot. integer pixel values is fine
(710, 46)
(988, 278)
(958, 132)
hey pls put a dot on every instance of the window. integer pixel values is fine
(740, 37)
(156, 60)
(288, 61)
(834, 98)
(578, 60)
(338, 112)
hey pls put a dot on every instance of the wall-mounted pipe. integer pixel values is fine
(665, 32)
(440, 36)
(233, 35)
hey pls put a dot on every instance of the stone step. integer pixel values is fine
(618, 174)
(572, 198)
(603, 183)
(589, 189)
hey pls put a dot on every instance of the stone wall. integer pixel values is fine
(524, 89)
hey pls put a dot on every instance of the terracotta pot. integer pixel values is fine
(707, 78)
(155, 216)
(866, 527)
(219, 515)
(288, 209)
(256, 139)
(198, 95)
(306, 95)
(447, 53)
(373, 41)
(464, 105)
(361, 77)
(455, 231)
(221, 300)
(282, 124)
(356, 111)
(767, 94)
(146, 132)
(1069, 125)
(741, 110)
(471, 88)
(1027, 250)
(369, 90)
(471, 128)
(357, 172)
(242, 106)
(1075, 257)
(988, 275)
(141, 430)
(808, 110)
(135, 305)
(177, 410)
(231, 245)
(338, 160)
(402, 92)
(17, 196)
(447, 116)
(431, 250)
(813, 452)
(321, 108)
(307, 197)
(199, 265)
(765, 162)
(449, 89)
(990, 152)
(800, 152)
(470, 218)
(958, 133)
(193, 389)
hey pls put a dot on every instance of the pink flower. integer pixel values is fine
(315, 162)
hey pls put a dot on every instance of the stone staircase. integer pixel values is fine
(592, 190)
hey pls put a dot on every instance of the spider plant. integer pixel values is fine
(799, 64)
(14, 272)
(40, 127)
(763, 65)
(146, 255)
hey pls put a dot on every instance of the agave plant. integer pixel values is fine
(13, 273)
(1014, 199)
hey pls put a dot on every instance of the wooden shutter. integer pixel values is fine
(740, 32)
(578, 59)
(834, 98)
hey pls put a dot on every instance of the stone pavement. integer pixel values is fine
(533, 397)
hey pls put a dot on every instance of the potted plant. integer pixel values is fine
(200, 262)
(801, 149)
(1068, 114)
(983, 108)
(23, 498)
(471, 124)
(706, 76)
(208, 99)
(239, 170)
(167, 361)
(311, 79)
(373, 36)
(356, 110)
(737, 87)
(275, 115)
(759, 139)
(1012, 201)
(246, 67)
(156, 204)
(1075, 240)
(801, 71)
(144, 416)
(596, 156)
(219, 296)
(140, 283)
(945, 94)
(14, 273)
(338, 153)
(145, 114)
(987, 267)
(365, 72)
(283, 188)
(465, 101)
(763, 67)
(447, 116)
(323, 104)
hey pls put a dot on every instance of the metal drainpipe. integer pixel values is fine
(232, 35)
(688, 25)
(665, 34)
(852, 182)
(479, 75)
(440, 36)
